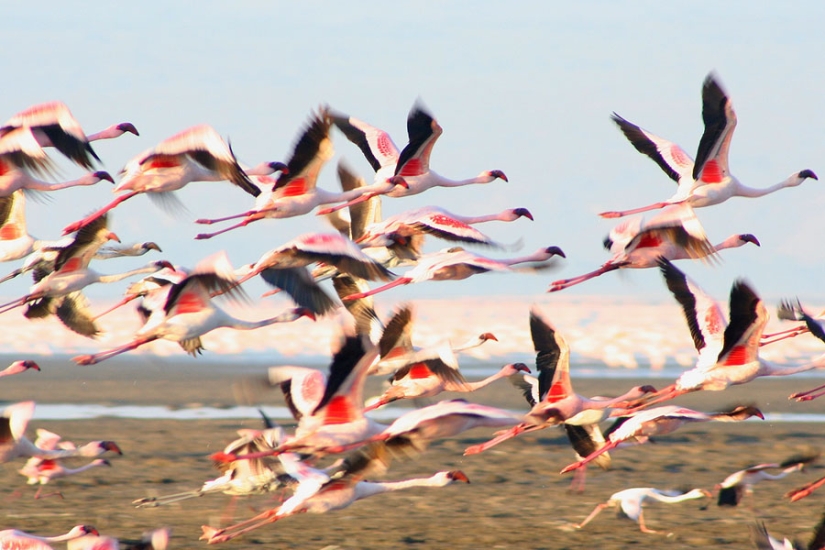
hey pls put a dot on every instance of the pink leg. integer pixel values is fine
(621, 213)
(331, 209)
(579, 477)
(779, 336)
(205, 221)
(398, 282)
(805, 490)
(503, 436)
(17, 303)
(121, 303)
(223, 535)
(98, 357)
(555, 286)
(591, 457)
(665, 394)
(643, 527)
(251, 218)
(596, 511)
(809, 395)
(77, 226)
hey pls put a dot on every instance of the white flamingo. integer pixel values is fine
(53, 125)
(19, 366)
(674, 234)
(294, 192)
(707, 181)
(12, 538)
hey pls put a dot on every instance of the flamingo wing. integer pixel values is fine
(310, 153)
(552, 358)
(720, 120)
(19, 147)
(748, 317)
(301, 287)
(376, 144)
(671, 158)
(423, 131)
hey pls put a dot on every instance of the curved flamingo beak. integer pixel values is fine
(748, 238)
(304, 312)
(488, 336)
(101, 175)
(458, 475)
(112, 237)
(151, 246)
(30, 365)
(498, 174)
(521, 367)
(111, 446)
(127, 127)
(523, 212)
(279, 167)
(808, 174)
(89, 530)
(555, 250)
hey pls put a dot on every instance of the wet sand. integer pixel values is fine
(516, 498)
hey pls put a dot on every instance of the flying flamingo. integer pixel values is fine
(240, 478)
(456, 264)
(643, 425)
(54, 126)
(555, 401)
(294, 193)
(631, 501)
(19, 366)
(12, 538)
(675, 234)
(13, 442)
(196, 154)
(707, 181)
(284, 267)
(805, 490)
(412, 164)
(19, 153)
(763, 541)
(787, 311)
(734, 487)
(43, 470)
(794, 312)
(737, 360)
(318, 493)
(188, 312)
(153, 289)
(432, 220)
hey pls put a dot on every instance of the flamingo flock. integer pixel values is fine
(337, 448)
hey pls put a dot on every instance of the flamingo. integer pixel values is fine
(432, 220)
(707, 181)
(284, 267)
(412, 164)
(188, 312)
(736, 361)
(318, 493)
(43, 470)
(795, 312)
(54, 126)
(675, 234)
(153, 289)
(428, 372)
(631, 502)
(196, 154)
(294, 193)
(456, 264)
(642, 425)
(19, 366)
(14, 444)
(240, 478)
(554, 400)
(805, 490)
(12, 538)
(763, 541)
(734, 487)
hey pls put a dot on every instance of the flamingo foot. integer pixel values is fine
(574, 466)
(204, 221)
(85, 359)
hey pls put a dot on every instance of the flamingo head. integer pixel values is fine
(398, 180)
(457, 475)
(112, 237)
(745, 412)
(305, 312)
(644, 390)
(102, 175)
(554, 251)
(748, 238)
(80, 530)
(278, 167)
(519, 212)
(804, 174)
(150, 246)
(162, 264)
(110, 446)
(487, 336)
(513, 368)
(20, 366)
(497, 174)
(124, 127)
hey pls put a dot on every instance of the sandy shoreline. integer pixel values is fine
(516, 498)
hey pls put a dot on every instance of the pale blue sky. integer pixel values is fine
(526, 87)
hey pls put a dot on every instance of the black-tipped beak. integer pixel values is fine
(499, 174)
(104, 176)
(748, 238)
(556, 251)
(808, 174)
(524, 212)
(278, 167)
(128, 127)
(151, 246)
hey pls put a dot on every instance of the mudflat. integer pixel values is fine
(516, 498)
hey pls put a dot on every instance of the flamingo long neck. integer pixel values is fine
(501, 216)
(89, 466)
(469, 344)
(752, 192)
(286, 317)
(734, 241)
(473, 386)
(441, 181)
(537, 256)
(768, 369)
(108, 133)
(667, 499)
(367, 489)
(120, 276)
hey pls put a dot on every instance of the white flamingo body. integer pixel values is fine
(13, 538)
(708, 181)
(631, 502)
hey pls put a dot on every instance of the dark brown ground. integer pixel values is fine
(516, 499)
